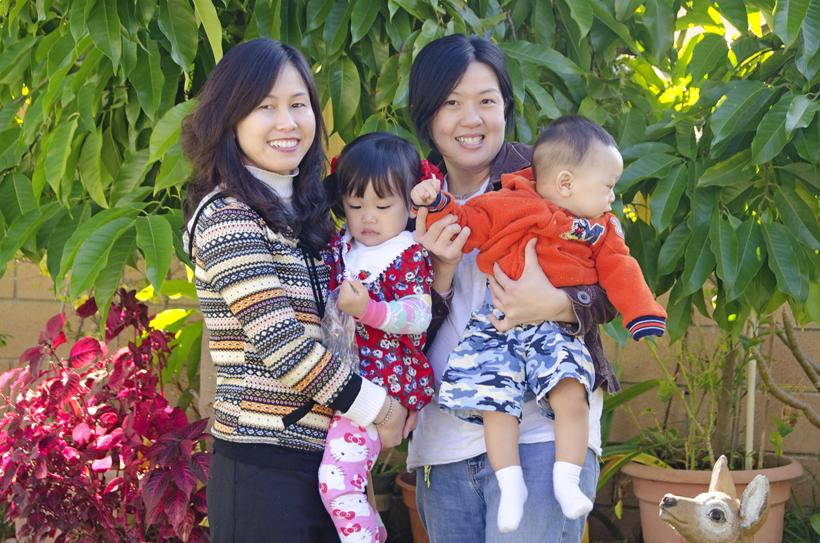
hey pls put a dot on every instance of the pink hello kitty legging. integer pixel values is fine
(350, 452)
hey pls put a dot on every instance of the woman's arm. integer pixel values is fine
(444, 241)
(533, 298)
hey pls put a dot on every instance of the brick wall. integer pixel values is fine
(27, 301)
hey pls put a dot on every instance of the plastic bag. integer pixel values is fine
(339, 330)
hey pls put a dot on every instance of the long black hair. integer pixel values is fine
(438, 69)
(387, 162)
(241, 80)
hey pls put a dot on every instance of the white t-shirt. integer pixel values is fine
(441, 438)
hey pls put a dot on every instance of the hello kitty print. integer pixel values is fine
(349, 456)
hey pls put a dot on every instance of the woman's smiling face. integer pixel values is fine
(277, 134)
(468, 128)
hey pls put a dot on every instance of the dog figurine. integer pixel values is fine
(718, 516)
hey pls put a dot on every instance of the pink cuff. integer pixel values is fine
(374, 314)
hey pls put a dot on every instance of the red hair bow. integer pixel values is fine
(333, 162)
(429, 171)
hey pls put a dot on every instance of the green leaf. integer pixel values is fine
(268, 18)
(155, 239)
(788, 17)
(174, 171)
(21, 230)
(813, 307)
(811, 35)
(620, 29)
(316, 13)
(673, 248)
(91, 171)
(772, 135)
(729, 172)
(686, 139)
(176, 288)
(625, 9)
(798, 217)
(16, 197)
(178, 22)
(678, 313)
(786, 262)
(428, 33)
(751, 255)
(130, 176)
(801, 112)
(84, 230)
(540, 55)
(58, 152)
(109, 277)
(659, 20)
(654, 165)
(104, 27)
(345, 91)
(741, 102)
(92, 256)
(336, 27)
(363, 16)
(147, 78)
(709, 53)
(724, 247)
(213, 29)
(666, 197)
(543, 22)
(735, 12)
(631, 131)
(699, 260)
(545, 102)
(168, 129)
(388, 82)
(582, 15)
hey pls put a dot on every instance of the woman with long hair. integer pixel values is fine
(257, 220)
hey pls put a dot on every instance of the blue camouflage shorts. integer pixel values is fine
(492, 371)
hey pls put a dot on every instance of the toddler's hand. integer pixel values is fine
(425, 192)
(353, 298)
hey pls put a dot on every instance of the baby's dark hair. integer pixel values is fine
(565, 143)
(390, 163)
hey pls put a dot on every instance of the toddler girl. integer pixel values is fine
(385, 280)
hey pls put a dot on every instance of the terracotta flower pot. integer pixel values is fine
(407, 481)
(650, 484)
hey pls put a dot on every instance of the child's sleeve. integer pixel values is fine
(621, 276)
(476, 213)
(410, 311)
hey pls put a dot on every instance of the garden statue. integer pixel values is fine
(718, 516)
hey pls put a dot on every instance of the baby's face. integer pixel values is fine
(593, 182)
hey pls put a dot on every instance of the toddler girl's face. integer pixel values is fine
(373, 220)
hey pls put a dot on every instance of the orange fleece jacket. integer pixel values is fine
(571, 251)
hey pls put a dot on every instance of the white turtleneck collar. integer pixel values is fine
(282, 185)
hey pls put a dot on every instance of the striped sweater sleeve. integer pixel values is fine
(233, 250)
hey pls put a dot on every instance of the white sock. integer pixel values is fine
(566, 483)
(513, 495)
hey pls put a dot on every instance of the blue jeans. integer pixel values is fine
(461, 502)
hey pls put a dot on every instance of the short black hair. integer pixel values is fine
(439, 67)
(389, 163)
(566, 142)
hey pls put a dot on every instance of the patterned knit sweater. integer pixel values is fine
(257, 302)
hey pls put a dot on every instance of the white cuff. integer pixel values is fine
(367, 404)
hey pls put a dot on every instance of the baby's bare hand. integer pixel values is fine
(425, 192)
(353, 298)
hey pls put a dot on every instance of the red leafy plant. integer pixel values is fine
(90, 451)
